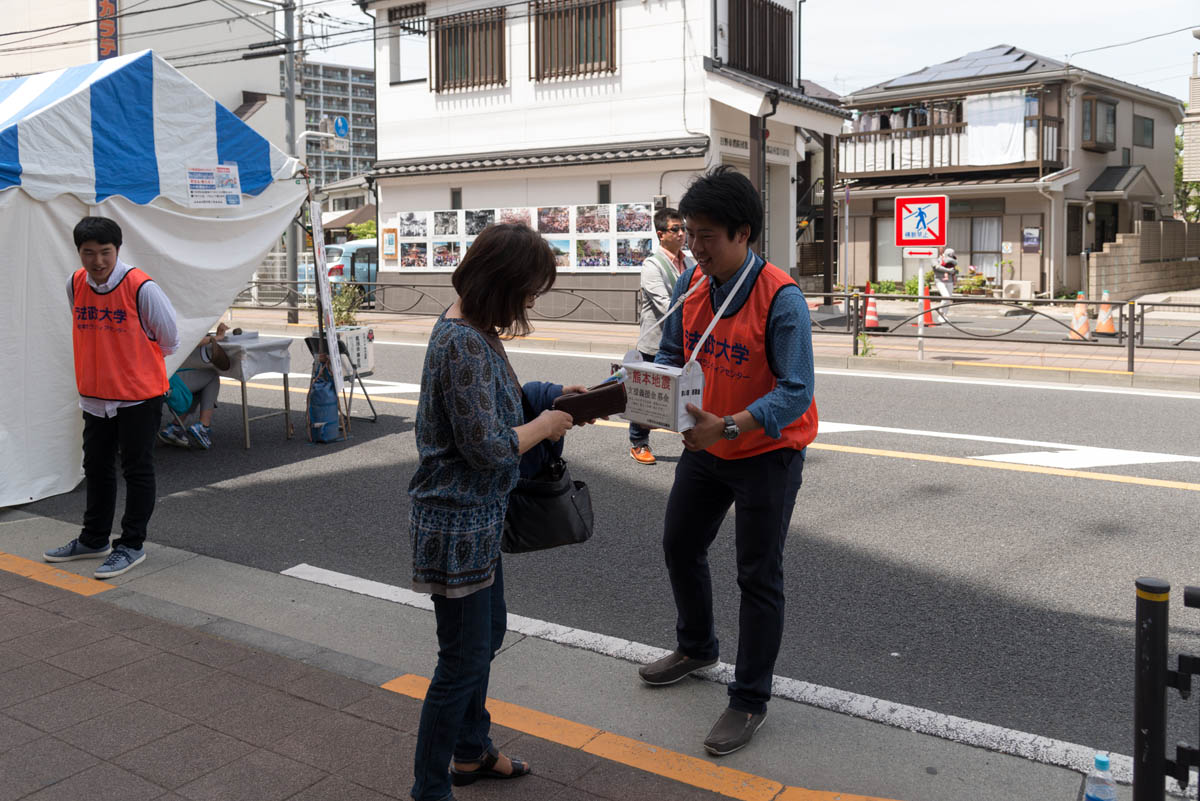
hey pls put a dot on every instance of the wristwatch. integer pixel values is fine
(731, 428)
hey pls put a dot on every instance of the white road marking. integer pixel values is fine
(1029, 746)
(878, 375)
(1058, 454)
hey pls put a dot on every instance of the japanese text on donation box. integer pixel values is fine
(658, 395)
(214, 187)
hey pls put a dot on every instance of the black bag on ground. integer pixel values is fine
(546, 511)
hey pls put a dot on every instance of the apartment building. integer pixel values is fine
(1042, 163)
(331, 91)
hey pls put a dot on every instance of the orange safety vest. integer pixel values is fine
(115, 359)
(734, 358)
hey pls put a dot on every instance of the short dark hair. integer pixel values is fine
(725, 196)
(663, 217)
(100, 230)
(504, 267)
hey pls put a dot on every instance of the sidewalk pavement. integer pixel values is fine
(1102, 363)
(194, 678)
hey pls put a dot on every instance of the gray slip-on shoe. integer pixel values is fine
(732, 731)
(672, 668)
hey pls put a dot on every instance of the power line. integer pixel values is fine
(1133, 41)
(67, 25)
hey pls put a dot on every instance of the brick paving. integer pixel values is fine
(104, 704)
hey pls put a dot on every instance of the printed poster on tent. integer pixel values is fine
(331, 342)
(214, 187)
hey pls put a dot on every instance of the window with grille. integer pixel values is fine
(468, 50)
(572, 38)
(408, 46)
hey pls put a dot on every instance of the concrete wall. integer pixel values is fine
(1120, 270)
(603, 297)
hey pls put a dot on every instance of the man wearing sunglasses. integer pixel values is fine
(660, 271)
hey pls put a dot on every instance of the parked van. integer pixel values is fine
(356, 261)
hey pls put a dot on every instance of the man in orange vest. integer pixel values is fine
(746, 449)
(123, 325)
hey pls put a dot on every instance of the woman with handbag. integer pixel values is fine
(470, 437)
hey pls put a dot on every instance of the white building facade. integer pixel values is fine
(538, 110)
(204, 41)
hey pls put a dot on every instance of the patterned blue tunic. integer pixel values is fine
(468, 450)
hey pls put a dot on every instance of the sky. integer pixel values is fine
(848, 45)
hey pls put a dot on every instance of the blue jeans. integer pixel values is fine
(762, 490)
(637, 434)
(454, 721)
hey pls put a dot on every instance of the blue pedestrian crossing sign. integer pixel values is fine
(340, 126)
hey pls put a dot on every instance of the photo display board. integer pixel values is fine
(593, 236)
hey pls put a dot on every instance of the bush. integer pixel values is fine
(345, 305)
(884, 288)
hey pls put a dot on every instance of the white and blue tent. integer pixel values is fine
(118, 138)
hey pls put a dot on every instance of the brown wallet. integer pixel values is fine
(598, 401)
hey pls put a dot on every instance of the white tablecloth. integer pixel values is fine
(249, 356)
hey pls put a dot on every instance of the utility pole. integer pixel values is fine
(289, 115)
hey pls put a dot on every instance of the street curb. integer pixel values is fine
(1051, 375)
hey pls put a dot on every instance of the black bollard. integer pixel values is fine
(1150, 690)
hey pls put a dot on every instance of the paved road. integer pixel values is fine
(999, 595)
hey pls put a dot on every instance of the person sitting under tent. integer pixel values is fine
(203, 384)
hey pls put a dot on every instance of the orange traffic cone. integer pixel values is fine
(871, 316)
(1079, 320)
(1104, 325)
(925, 303)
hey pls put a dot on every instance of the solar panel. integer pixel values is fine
(1004, 69)
(1008, 59)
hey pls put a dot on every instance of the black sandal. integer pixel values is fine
(486, 770)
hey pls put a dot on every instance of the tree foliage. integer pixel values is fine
(364, 230)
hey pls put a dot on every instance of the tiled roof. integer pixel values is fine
(546, 157)
(787, 93)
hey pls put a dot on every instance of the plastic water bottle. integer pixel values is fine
(1100, 785)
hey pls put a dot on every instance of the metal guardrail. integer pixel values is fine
(1129, 316)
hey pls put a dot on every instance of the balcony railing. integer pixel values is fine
(760, 39)
(940, 149)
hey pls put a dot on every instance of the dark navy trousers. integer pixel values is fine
(762, 490)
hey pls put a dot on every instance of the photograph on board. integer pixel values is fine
(633, 217)
(632, 252)
(592, 253)
(554, 220)
(445, 223)
(592, 219)
(412, 254)
(478, 219)
(446, 254)
(413, 223)
(562, 251)
(517, 216)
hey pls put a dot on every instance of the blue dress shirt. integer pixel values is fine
(789, 344)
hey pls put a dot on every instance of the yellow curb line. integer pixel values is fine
(671, 765)
(64, 580)
(1019, 468)
(924, 457)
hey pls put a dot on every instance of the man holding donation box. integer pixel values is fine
(746, 323)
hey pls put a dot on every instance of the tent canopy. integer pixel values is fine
(122, 139)
(129, 126)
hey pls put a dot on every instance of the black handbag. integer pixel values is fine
(546, 511)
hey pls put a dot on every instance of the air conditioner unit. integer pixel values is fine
(1018, 290)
